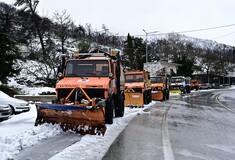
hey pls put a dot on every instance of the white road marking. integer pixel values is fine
(167, 149)
(229, 109)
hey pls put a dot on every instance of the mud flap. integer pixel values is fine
(70, 117)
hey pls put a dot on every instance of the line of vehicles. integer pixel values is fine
(93, 88)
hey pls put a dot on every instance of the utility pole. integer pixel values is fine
(146, 41)
(146, 51)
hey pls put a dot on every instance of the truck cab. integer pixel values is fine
(160, 87)
(89, 93)
(137, 88)
(180, 85)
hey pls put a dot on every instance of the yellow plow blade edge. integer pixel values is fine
(176, 92)
(71, 117)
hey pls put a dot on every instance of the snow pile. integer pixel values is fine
(19, 132)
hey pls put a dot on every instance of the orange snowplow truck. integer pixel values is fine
(88, 95)
(137, 88)
(160, 88)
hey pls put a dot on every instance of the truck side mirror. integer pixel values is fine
(59, 72)
(110, 75)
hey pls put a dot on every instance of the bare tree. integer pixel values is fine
(63, 22)
(31, 6)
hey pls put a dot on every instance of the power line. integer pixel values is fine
(187, 31)
(205, 29)
(223, 35)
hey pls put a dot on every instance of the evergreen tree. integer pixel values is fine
(83, 46)
(139, 54)
(186, 67)
(128, 57)
(8, 49)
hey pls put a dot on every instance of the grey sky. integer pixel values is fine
(132, 16)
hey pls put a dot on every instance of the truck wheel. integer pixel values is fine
(149, 96)
(188, 90)
(167, 94)
(164, 95)
(119, 112)
(145, 96)
(109, 111)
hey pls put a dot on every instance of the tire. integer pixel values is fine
(119, 111)
(145, 98)
(149, 96)
(164, 95)
(12, 111)
(167, 94)
(109, 111)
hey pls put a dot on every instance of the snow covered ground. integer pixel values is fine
(19, 132)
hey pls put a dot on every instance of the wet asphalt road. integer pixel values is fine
(141, 139)
(44, 151)
(199, 128)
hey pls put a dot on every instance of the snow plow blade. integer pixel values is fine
(78, 119)
(157, 95)
(134, 99)
(175, 92)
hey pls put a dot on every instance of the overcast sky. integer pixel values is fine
(132, 16)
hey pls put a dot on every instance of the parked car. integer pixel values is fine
(17, 105)
(5, 111)
(204, 86)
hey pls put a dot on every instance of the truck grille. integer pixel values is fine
(92, 93)
(137, 89)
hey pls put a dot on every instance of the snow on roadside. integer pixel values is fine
(228, 96)
(19, 132)
(95, 147)
(34, 91)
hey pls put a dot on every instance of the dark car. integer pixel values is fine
(5, 111)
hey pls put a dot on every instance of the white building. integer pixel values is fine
(160, 67)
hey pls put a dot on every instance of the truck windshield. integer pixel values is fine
(177, 80)
(156, 80)
(134, 78)
(87, 68)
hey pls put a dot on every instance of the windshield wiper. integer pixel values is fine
(90, 73)
(71, 75)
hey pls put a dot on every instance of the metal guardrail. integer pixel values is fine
(37, 98)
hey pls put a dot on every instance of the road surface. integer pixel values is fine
(194, 127)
